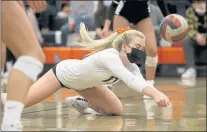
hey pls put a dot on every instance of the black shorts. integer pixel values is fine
(54, 71)
(133, 11)
(10, 56)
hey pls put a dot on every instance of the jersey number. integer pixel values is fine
(111, 80)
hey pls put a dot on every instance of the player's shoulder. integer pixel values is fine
(110, 54)
(110, 51)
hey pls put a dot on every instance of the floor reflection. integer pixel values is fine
(186, 112)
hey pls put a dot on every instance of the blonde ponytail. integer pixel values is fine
(113, 41)
(100, 44)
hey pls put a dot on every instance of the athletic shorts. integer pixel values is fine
(10, 56)
(133, 11)
(54, 71)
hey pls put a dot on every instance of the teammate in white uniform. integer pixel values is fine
(104, 66)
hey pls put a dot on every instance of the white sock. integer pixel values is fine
(3, 98)
(151, 82)
(12, 112)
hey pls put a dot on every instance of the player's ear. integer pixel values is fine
(123, 45)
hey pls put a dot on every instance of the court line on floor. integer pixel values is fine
(43, 110)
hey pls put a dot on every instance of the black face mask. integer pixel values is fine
(135, 55)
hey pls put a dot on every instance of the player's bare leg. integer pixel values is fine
(146, 27)
(100, 99)
(119, 22)
(3, 55)
(19, 37)
(3, 59)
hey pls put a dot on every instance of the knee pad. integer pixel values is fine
(30, 66)
(151, 61)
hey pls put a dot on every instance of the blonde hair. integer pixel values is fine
(115, 40)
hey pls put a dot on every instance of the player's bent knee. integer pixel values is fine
(30, 66)
(116, 110)
(151, 61)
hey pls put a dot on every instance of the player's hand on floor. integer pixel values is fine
(161, 99)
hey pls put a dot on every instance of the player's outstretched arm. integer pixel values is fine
(136, 82)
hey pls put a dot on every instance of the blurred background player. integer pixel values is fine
(81, 11)
(195, 42)
(22, 42)
(101, 8)
(156, 17)
(137, 13)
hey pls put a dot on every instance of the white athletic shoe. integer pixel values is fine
(190, 73)
(79, 103)
(12, 127)
(188, 82)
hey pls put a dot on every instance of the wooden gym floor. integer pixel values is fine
(187, 111)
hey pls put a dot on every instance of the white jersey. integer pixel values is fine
(101, 68)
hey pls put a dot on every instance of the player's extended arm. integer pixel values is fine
(136, 82)
(115, 65)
